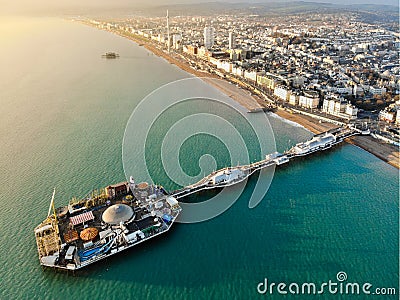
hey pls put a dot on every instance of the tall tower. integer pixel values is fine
(168, 37)
(231, 40)
(208, 37)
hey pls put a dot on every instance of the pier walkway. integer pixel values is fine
(233, 175)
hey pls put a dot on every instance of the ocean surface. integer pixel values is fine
(64, 110)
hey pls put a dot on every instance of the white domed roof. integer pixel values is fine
(117, 213)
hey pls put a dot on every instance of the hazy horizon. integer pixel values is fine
(64, 6)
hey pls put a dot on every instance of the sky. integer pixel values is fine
(16, 6)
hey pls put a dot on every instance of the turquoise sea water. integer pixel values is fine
(63, 114)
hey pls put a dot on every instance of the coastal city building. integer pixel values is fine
(231, 41)
(337, 106)
(208, 37)
(310, 99)
(389, 114)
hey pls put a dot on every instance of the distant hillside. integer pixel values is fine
(369, 12)
(264, 8)
(374, 7)
(269, 7)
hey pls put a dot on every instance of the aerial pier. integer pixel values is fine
(126, 214)
(233, 175)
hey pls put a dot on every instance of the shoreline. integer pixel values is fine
(386, 152)
(306, 121)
